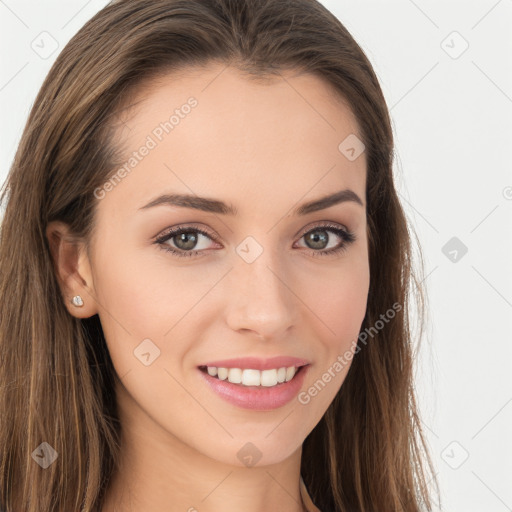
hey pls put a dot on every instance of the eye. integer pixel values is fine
(185, 240)
(318, 239)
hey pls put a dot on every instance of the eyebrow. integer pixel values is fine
(216, 206)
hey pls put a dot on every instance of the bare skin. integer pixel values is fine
(264, 148)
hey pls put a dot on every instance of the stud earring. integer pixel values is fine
(77, 301)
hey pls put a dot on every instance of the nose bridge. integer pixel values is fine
(259, 296)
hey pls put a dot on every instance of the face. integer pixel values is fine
(260, 281)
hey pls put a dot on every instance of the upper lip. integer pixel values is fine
(256, 363)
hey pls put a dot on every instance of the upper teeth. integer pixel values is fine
(249, 377)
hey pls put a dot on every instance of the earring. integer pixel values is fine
(77, 301)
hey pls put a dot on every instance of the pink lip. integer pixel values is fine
(256, 363)
(257, 397)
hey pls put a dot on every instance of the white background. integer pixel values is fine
(452, 120)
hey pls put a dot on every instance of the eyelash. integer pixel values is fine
(347, 238)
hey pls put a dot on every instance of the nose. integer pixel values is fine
(260, 297)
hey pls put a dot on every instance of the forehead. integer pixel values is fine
(269, 135)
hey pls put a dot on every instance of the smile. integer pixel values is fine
(261, 390)
(252, 377)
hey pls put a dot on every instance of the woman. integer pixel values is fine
(205, 272)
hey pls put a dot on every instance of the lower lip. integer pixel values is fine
(257, 397)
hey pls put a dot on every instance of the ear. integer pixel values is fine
(72, 269)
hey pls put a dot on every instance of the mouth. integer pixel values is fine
(252, 378)
(258, 390)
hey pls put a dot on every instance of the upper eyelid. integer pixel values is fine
(183, 227)
(323, 224)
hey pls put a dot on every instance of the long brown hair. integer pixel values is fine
(368, 452)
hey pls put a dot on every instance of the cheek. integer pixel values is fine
(340, 301)
(140, 289)
(143, 296)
